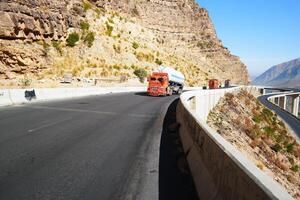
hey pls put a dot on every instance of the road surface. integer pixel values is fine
(292, 121)
(98, 147)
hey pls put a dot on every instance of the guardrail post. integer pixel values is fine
(295, 106)
(276, 101)
(285, 103)
(282, 102)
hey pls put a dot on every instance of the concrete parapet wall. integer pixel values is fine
(17, 96)
(280, 100)
(219, 170)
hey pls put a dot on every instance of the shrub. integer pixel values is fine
(110, 20)
(75, 72)
(89, 38)
(141, 74)
(134, 67)
(205, 45)
(46, 48)
(158, 61)
(86, 5)
(109, 29)
(84, 25)
(26, 82)
(135, 45)
(276, 147)
(117, 67)
(268, 113)
(256, 119)
(279, 138)
(45, 45)
(144, 56)
(295, 168)
(280, 123)
(289, 147)
(253, 134)
(269, 131)
(291, 160)
(57, 46)
(117, 48)
(135, 12)
(229, 96)
(72, 39)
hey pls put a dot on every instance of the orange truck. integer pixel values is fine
(165, 81)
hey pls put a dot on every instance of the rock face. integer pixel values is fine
(285, 75)
(32, 20)
(36, 20)
(177, 18)
(185, 28)
(177, 32)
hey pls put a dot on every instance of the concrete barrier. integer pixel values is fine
(5, 98)
(18, 96)
(280, 100)
(219, 170)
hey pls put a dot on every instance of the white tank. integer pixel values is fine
(174, 76)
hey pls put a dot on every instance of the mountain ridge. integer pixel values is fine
(286, 74)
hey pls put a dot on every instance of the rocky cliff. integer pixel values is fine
(116, 37)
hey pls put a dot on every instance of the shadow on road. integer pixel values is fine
(175, 181)
(141, 94)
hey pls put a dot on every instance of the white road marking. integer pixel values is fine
(47, 125)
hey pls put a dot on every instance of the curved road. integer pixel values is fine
(292, 121)
(98, 147)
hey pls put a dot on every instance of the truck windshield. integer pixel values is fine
(153, 79)
(160, 79)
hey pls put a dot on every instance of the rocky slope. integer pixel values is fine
(260, 136)
(285, 75)
(116, 37)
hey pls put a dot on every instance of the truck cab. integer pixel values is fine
(213, 84)
(165, 81)
(158, 84)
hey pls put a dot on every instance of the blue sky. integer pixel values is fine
(262, 33)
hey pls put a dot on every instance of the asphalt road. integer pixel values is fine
(99, 147)
(292, 121)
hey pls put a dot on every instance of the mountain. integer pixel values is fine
(44, 39)
(253, 77)
(286, 74)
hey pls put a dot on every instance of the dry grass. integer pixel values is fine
(258, 131)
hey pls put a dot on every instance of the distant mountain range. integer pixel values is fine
(285, 75)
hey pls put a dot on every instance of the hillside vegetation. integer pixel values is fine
(258, 133)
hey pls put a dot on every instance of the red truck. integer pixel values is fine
(165, 81)
(213, 84)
